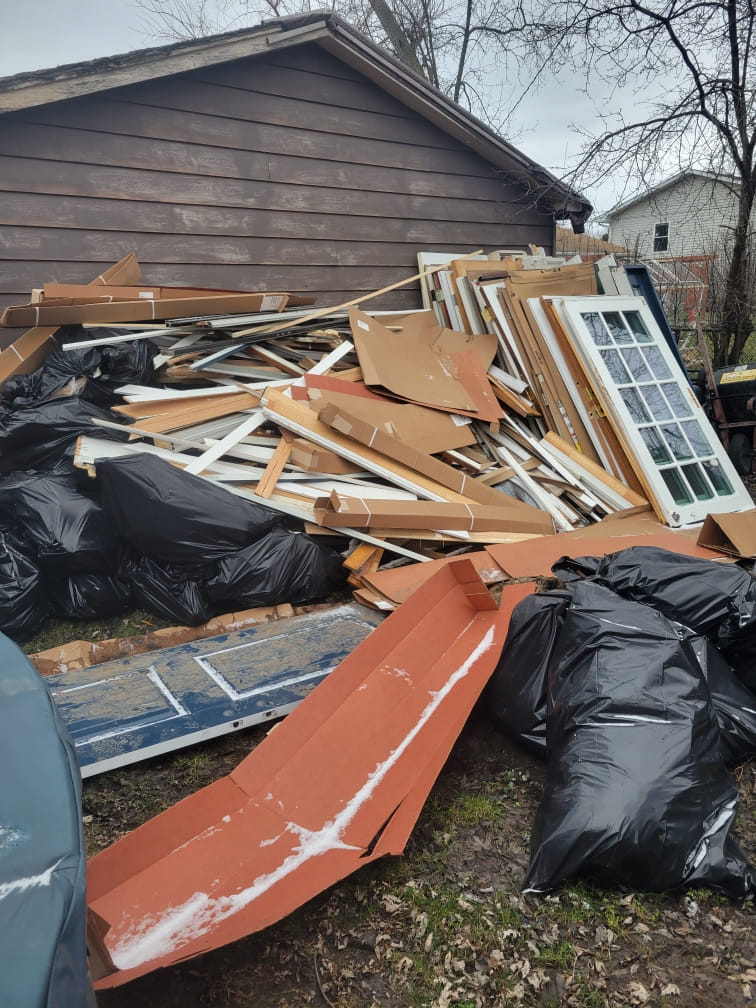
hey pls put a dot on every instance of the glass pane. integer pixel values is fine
(700, 443)
(656, 402)
(656, 362)
(676, 399)
(676, 486)
(698, 482)
(635, 322)
(655, 445)
(616, 326)
(635, 406)
(721, 484)
(615, 367)
(634, 360)
(595, 327)
(676, 441)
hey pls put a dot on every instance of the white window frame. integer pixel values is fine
(674, 513)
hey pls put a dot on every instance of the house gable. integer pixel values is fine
(292, 167)
(690, 216)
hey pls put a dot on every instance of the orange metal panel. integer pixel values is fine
(338, 783)
(535, 557)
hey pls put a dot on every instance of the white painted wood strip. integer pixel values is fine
(215, 451)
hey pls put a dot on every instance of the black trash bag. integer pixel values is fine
(126, 363)
(516, 691)
(284, 566)
(167, 591)
(67, 530)
(177, 518)
(569, 569)
(24, 605)
(734, 704)
(92, 596)
(43, 436)
(636, 793)
(94, 371)
(717, 600)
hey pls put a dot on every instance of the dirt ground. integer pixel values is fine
(446, 924)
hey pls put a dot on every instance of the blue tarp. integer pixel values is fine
(43, 960)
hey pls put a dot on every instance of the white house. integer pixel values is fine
(691, 214)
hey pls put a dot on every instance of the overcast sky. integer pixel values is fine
(38, 34)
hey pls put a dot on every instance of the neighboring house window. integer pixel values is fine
(661, 237)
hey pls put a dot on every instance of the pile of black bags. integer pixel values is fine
(142, 533)
(636, 684)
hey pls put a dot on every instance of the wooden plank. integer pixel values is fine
(458, 484)
(599, 477)
(125, 183)
(275, 467)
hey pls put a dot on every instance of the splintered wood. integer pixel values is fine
(485, 418)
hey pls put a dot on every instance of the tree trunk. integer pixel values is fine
(403, 48)
(736, 317)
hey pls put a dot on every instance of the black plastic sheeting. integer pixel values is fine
(94, 372)
(64, 529)
(169, 592)
(174, 517)
(93, 596)
(144, 533)
(516, 691)
(41, 437)
(284, 566)
(516, 694)
(24, 603)
(716, 600)
(43, 961)
(636, 792)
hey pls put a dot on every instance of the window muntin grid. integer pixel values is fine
(680, 455)
(635, 366)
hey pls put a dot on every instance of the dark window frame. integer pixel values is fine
(661, 236)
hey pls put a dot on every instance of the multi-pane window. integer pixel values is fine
(664, 428)
(661, 237)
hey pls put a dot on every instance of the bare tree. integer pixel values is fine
(683, 74)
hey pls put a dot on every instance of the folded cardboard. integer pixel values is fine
(426, 430)
(523, 517)
(29, 351)
(362, 512)
(734, 534)
(139, 310)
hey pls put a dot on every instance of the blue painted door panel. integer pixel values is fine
(133, 708)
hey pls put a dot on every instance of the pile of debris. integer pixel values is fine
(519, 403)
(164, 449)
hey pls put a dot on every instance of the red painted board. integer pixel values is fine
(340, 781)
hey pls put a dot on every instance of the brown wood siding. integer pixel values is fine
(286, 172)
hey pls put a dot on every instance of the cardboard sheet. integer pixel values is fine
(336, 785)
(535, 557)
(734, 534)
(426, 364)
